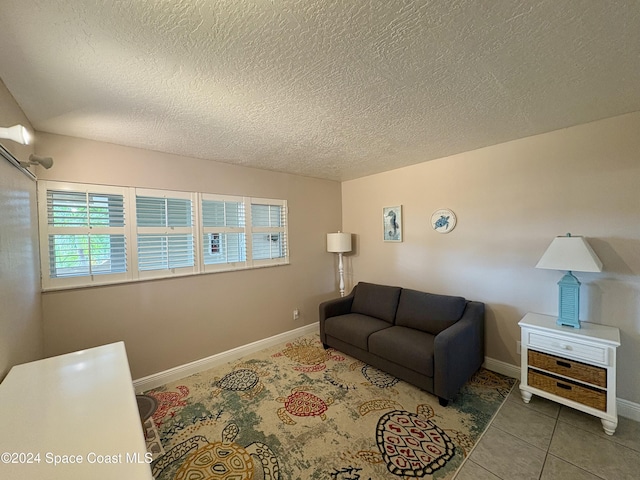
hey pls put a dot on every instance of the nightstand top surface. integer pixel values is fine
(587, 330)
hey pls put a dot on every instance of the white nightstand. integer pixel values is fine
(572, 366)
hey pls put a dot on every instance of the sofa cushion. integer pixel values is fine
(404, 346)
(380, 301)
(353, 328)
(428, 312)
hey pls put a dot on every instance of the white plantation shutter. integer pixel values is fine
(165, 233)
(269, 242)
(83, 232)
(224, 238)
(98, 235)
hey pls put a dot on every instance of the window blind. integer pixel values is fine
(97, 234)
(165, 233)
(85, 235)
(268, 231)
(224, 240)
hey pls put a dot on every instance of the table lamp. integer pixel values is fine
(571, 254)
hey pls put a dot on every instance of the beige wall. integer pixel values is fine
(20, 314)
(510, 201)
(166, 323)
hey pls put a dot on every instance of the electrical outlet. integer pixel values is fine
(518, 347)
(296, 314)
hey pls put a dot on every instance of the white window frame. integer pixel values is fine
(226, 266)
(167, 230)
(45, 230)
(282, 229)
(131, 232)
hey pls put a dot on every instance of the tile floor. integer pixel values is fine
(547, 441)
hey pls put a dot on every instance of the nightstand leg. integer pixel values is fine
(526, 396)
(609, 426)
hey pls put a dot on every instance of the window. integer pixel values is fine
(84, 235)
(224, 245)
(268, 231)
(165, 233)
(92, 235)
(242, 232)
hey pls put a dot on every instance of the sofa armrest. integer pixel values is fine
(334, 308)
(459, 352)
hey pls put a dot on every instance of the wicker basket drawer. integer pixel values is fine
(563, 388)
(585, 373)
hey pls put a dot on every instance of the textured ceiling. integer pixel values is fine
(328, 89)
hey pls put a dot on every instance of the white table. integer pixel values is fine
(73, 416)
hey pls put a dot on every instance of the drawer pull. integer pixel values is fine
(563, 364)
(562, 385)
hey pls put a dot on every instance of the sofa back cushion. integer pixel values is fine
(429, 312)
(379, 301)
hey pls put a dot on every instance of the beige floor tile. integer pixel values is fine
(556, 469)
(473, 471)
(627, 433)
(579, 449)
(505, 455)
(525, 423)
(594, 453)
(538, 404)
(581, 420)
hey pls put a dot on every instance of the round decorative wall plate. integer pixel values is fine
(443, 220)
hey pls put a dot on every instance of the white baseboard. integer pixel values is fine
(504, 368)
(626, 408)
(161, 378)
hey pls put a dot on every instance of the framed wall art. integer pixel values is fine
(392, 223)
(443, 220)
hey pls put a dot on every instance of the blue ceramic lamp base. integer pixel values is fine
(569, 301)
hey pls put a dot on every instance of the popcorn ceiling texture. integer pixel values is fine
(328, 89)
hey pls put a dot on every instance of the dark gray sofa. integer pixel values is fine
(435, 342)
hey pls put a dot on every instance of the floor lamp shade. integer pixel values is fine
(569, 254)
(339, 243)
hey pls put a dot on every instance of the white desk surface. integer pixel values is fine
(78, 406)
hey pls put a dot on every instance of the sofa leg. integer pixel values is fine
(443, 401)
(325, 346)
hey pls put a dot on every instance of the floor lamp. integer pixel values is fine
(339, 243)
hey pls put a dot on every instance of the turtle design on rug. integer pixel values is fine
(309, 354)
(378, 378)
(410, 444)
(243, 378)
(168, 402)
(339, 377)
(374, 428)
(226, 459)
(301, 403)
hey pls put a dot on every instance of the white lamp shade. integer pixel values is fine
(570, 254)
(338, 242)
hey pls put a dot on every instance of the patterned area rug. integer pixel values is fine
(298, 411)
